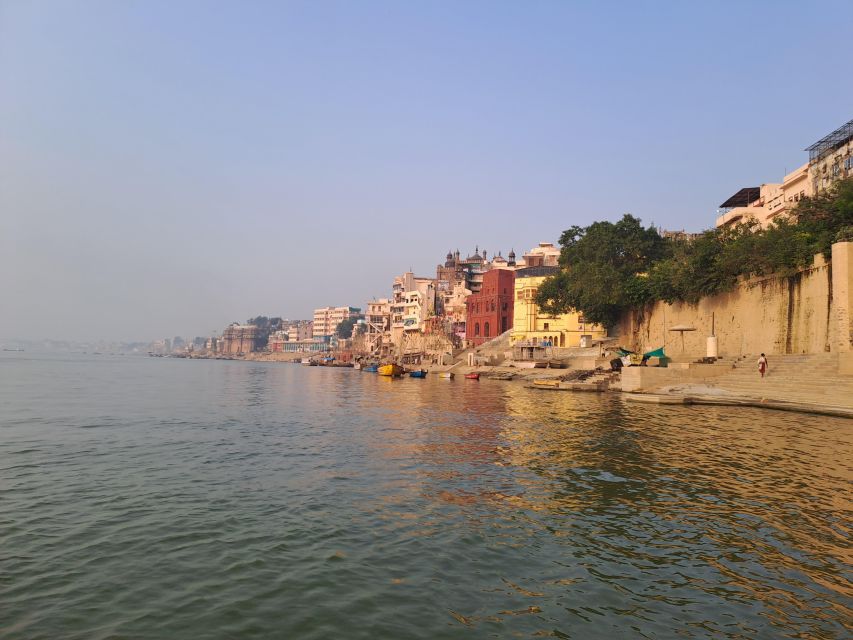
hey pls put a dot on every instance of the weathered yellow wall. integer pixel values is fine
(770, 315)
(841, 322)
(529, 322)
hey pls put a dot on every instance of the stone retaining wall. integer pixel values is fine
(809, 312)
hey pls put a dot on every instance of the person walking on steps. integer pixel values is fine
(762, 365)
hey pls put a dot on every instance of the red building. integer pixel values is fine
(489, 312)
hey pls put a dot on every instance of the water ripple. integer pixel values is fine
(147, 498)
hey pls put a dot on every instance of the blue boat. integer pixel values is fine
(420, 373)
(371, 368)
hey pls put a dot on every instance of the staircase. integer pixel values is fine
(597, 380)
(791, 378)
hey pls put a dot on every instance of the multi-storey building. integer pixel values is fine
(454, 309)
(532, 326)
(377, 335)
(830, 159)
(490, 312)
(412, 302)
(470, 270)
(543, 255)
(327, 319)
(300, 330)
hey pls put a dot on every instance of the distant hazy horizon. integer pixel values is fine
(167, 168)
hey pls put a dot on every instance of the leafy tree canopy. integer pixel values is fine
(611, 267)
(344, 329)
(604, 267)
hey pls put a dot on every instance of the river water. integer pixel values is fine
(157, 498)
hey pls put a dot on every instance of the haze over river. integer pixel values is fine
(157, 498)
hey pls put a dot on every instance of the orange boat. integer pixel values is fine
(472, 376)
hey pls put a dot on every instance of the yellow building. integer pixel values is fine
(533, 327)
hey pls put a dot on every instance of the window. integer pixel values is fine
(848, 162)
(477, 329)
(547, 325)
(486, 330)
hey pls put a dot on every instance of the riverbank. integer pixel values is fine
(712, 396)
(824, 392)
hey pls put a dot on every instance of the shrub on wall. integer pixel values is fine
(608, 268)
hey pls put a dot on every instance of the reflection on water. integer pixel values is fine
(156, 498)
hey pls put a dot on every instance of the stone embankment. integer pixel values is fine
(812, 383)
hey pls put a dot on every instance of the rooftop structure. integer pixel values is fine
(743, 198)
(830, 142)
(830, 159)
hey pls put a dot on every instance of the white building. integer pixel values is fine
(327, 319)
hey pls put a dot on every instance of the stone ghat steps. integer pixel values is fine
(793, 378)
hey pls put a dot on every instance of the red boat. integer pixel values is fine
(472, 376)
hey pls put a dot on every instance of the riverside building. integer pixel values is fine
(830, 159)
(533, 327)
(490, 312)
(327, 319)
(412, 302)
(242, 338)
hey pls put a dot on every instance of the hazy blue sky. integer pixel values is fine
(168, 167)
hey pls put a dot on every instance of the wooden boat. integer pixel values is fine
(448, 375)
(356, 366)
(530, 364)
(550, 383)
(371, 368)
(392, 370)
(472, 376)
(418, 373)
(306, 361)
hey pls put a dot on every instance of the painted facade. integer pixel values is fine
(531, 325)
(489, 313)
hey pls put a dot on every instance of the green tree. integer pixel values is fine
(344, 328)
(610, 267)
(604, 268)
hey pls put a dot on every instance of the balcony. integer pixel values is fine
(738, 214)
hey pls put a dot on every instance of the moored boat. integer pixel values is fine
(548, 383)
(418, 373)
(392, 370)
(472, 376)
(448, 375)
(356, 366)
(371, 368)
